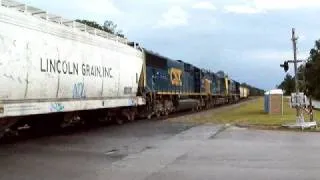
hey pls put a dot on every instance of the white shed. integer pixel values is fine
(273, 101)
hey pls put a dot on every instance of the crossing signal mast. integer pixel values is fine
(298, 99)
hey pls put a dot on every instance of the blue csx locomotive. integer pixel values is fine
(171, 85)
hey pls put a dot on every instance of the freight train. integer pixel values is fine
(53, 67)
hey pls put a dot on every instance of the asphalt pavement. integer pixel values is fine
(155, 150)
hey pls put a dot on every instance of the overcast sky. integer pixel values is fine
(248, 39)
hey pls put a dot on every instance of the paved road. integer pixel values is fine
(162, 150)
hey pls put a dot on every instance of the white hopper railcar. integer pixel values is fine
(49, 64)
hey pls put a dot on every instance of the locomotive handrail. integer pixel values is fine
(36, 12)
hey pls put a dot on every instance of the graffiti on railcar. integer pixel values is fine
(56, 107)
(79, 90)
(132, 102)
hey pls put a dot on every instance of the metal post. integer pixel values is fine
(294, 42)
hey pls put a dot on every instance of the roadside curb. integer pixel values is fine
(274, 128)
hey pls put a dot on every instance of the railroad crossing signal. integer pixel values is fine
(285, 66)
(299, 118)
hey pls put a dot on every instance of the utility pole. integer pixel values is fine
(294, 42)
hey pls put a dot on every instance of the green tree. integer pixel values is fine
(108, 26)
(288, 84)
(312, 72)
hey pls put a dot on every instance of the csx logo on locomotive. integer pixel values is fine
(175, 76)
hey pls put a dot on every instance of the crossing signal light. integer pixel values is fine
(285, 66)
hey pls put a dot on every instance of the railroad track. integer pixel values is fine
(26, 133)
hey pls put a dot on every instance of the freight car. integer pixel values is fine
(244, 92)
(51, 66)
